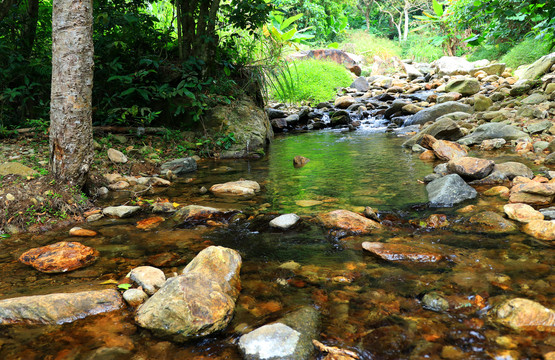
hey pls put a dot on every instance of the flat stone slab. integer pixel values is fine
(401, 253)
(122, 211)
(241, 188)
(349, 221)
(285, 221)
(59, 257)
(16, 168)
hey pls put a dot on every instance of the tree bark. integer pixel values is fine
(71, 141)
(406, 11)
(30, 27)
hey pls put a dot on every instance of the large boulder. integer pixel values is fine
(489, 222)
(452, 65)
(525, 314)
(14, 168)
(57, 309)
(449, 190)
(179, 166)
(522, 212)
(493, 131)
(197, 303)
(491, 69)
(506, 171)
(59, 257)
(348, 221)
(249, 124)
(471, 167)
(442, 129)
(436, 111)
(536, 69)
(466, 87)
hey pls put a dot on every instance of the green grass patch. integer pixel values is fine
(526, 52)
(489, 52)
(363, 43)
(419, 47)
(308, 80)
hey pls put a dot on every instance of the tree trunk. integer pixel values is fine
(30, 27)
(71, 141)
(406, 11)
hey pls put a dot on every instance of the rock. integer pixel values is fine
(279, 125)
(77, 231)
(493, 131)
(401, 253)
(116, 156)
(150, 223)
(491, 69)
(411, 109)
(537, 127)
(59, 257)
(340, 117)
(470, 167)
(195, 212)
(482, 103)
(537, 69)
(179, 166)
(197, 303)
(14, 168)
(452, 65)
(361, 84)
(57, 309)
(344, 102)
(541, 229)
(308, 203)
(163, 207)
(448, 191)
(335, 353)
(120, 185)
(466, 86)
(447, 150)
(435, 302)
(412, 71)
(285, 221)
(241, 188)
(489, 222)
(246, 119)
(121, 211)
(300, 161)
(275, 113)
(274, 341)
(522, 313)
(292, 120)
(149, 278)
(451, 96)
(492, 144)
(498, 191)
(434, 112)
(134, 297)
(442, 129)
(548, 213)
(522, 212)
(349, 221)
(535, 99)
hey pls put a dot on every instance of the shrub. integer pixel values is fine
(489, 52)
(420, 48)
(526, 52)
(361, 42)
(308, 80)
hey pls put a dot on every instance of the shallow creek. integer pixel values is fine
(367, 305)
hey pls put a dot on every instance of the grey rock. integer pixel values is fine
(122, 211)
(292, 120)
(361, 84)
(135, 297)
(491, 69)
(522, 86)
(536, 69)
(396, 107)
(449, 190)
(468, 86)
(550, 159)
(275, 113)
(538, 127)
(179, 166)
(149, 278)
(456, 116)
(534, 99)
(434, 112)
(548, 213)
(417, 148)
(442, 129)
(285, 221)
(431, 177)
(442, 169)
(452, 65)
(412, 71)
(491, 144)
(492, 131)
(435, 302)
(116, 156)
(540, 146)
(506, 171)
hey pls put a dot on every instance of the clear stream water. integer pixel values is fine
(369, 306)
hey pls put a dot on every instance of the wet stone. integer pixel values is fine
(122, 211)
(77, 231)
(489, 222)
(470, 167)
(435, 302)
(522, 212)
(60, 257)
(448, 191)
(149, 278)
(541, 229)
(522, 313)
(274, 341)
(349, 221)
(300, 161)
(285, 221)
(135, 297)
(241, 188)
(401, 253)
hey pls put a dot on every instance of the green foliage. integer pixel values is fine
(361, 42)
(124, 286)
(489, 52)
(310, 80)
(421, 48)
(526, 52)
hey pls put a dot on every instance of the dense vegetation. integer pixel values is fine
(162, 62)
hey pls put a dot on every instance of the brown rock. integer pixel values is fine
(300, 161)
(448, 150)
(348, 220)
(59, 257)
(522, 212)
(538, 188)
(195, 213)
(150, 223)
(522, 313)
(58, 308)
(401, 253)
(532, 199)
(241, 188)
(428, 141)
(427, 155)
(498, 191)
(436, 221)
(77, 231)
(344, 102)
(490, 222)
(471, 167)
(533, 193)
(540, 229)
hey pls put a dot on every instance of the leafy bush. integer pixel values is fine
(309, 80)
(526, 52)
(420, 48)
(361, 42)
(489, 52)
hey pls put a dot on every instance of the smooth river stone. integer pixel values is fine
(401, 253)
(241, 188)
(285, 221)
(308, 203)
(348, 220)
(58, 308)
(59, 257)
(541, 229)
(471, 167)
(522, 313)
(522, 212)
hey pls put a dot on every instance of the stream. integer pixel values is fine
(367, 305)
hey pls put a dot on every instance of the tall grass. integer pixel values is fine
(309, 80)
(420, 47)
(526, 52)
(361, 42)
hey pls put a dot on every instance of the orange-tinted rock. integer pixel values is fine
(471, 167)
(532, 192)
(534, 187)
(524, 147)
(540, 229)
(502, 191)
(532, 199)
(448, 150)
(437, 221)
(520, 180)
(300, 161)
(60, 257)
(490, 222)
(522, 212)
(427, 155)
(150, 223)
(349, 221)
(402, 253)
(522, 313)
(77, 231)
